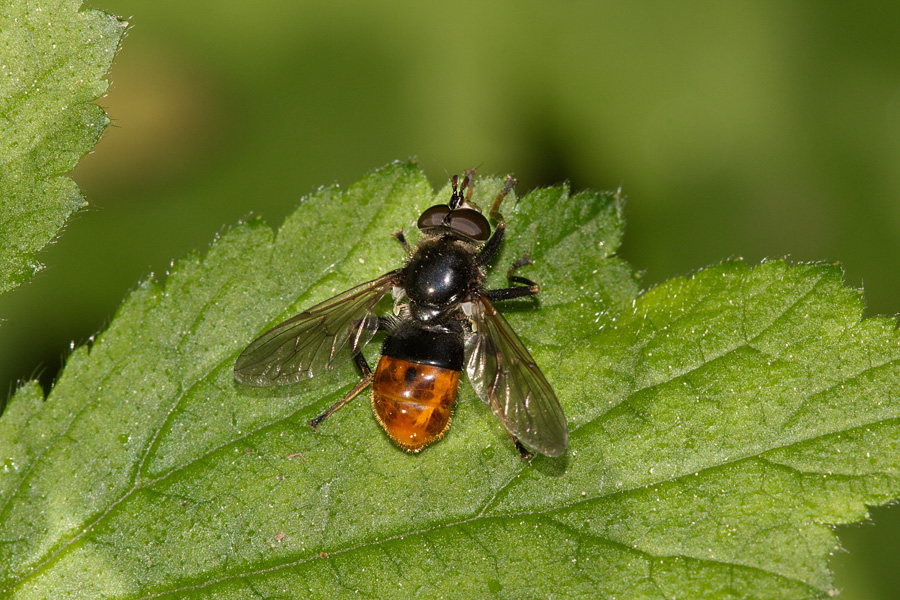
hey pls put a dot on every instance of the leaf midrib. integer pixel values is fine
(482, 512)
(481, 517)
(53, 555)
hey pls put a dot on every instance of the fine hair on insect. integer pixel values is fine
(444, 322)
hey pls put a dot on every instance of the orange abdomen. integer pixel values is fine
(413, 401)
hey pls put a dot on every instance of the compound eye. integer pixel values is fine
(470, 223)
(434, 216)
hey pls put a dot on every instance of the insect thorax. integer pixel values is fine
(441, 272)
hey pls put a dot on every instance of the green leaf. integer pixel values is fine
(53, 60)
(719, 424)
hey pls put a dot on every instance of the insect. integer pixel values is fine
(444, 321)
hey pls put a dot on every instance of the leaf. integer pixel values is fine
(719, 424)
(53, 60)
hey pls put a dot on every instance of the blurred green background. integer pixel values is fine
(755, 130)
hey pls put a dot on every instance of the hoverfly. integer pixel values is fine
(444, 320)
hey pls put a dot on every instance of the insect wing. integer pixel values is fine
(318, 339)
(506, 377)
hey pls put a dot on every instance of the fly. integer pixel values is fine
(445, 322)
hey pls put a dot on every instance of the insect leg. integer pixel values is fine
(467, 180)
(513, 292)
(363, 364)
(402, 239)
(363, 384)
(525, 260)
(489, 250)
(526, 288)
(495, 208)
(493, 244)
(524, 453)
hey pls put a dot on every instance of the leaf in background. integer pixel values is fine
(53, 60)
(718, 425)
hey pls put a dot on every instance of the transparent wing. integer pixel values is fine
(318, 339)
(506, 377)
